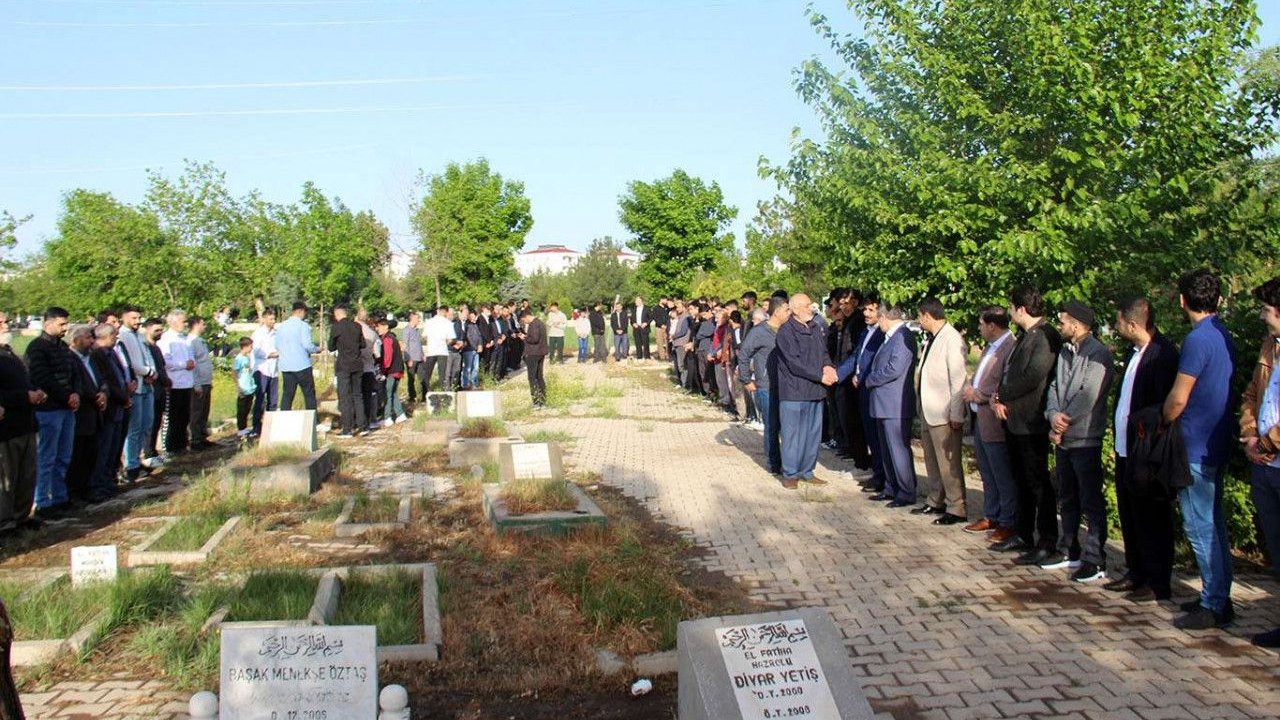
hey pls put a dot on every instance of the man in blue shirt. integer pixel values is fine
(1200, 403)
(294, 343)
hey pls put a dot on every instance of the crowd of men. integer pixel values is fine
(84, 411)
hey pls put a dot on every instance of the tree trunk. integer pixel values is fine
(10, 703)
(437, 279)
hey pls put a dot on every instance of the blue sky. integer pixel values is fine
(575, 98)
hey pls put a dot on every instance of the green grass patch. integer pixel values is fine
(274, 595)
(483, 428)
(604, 407)
(259, 456)
(57, 610)
(565, 390)
(533, 496)
(189, 533)
(381, 508)
(391, 601)
(549, 436)
(175, 644)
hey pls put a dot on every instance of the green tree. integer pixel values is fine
(108, 253)
(8, 234)
(972, 145)
(678, 225)
(331, 253)
(470, 222)
(599, 275)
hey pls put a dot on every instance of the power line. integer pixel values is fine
(130, 168)
(259, 111)
(240, 86)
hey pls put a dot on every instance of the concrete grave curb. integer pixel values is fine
(140, 555)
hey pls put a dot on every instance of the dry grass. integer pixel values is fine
(483, 428)
(524, 497)
(260, 456)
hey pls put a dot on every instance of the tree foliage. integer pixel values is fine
(1091, 147)
(678, 226)
(597, 276)
(470, 222)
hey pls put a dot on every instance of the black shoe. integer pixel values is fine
(949, 519)
(1033, 557)
(1122, 584)
(1010, 545)
(1203, 618)
(898, 504)
(871, 489)
(1141, 594)
(1088, 572)
(881, 497)
(1190, 605)
(53, 512)
(1268, 639)
(927, 509)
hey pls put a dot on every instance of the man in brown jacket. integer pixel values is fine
(1260, 433)
(999, 492)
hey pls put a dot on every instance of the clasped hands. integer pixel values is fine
(829, 376)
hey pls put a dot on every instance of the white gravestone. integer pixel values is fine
(289, 428)
(299, 673)
(93, 563)
(477, 404)
(788, 664)
(530, 461)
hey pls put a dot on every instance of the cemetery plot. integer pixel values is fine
(540, 506)
(286, 469)
(401, 601)
(183, 540)
(364, 513)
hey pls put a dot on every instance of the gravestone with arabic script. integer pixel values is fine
(788, 664)
(299, 673)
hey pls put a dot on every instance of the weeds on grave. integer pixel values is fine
(189, 533)
(549, 436)
(55, 611)
(259, 456)
(175, 644)
(274, 595)
(483, 428)
(389, 600)
(525, 496)
(380, 508)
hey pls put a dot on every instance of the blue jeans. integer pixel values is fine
(893, 435)
(266, 398)
(56, 439)
(621, 347)
(1206, 527)
(801, 430)
(582, 349)
(141, 417)
(999, 491)
(1266, 498)
(772, 445)
(394, 407)
(470, 369)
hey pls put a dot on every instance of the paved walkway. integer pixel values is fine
(937, 625)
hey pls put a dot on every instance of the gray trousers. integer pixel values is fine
(601, 352)
(17, 477)
(453, 372)
(199, 422)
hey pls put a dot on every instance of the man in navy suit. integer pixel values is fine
(858, 364)
(893, 406)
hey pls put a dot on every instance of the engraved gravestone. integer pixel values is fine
(789, 664)
(439, 403)
(299, 673)
(477, 404)
(530, 461)
(93, 563)
(289, 428)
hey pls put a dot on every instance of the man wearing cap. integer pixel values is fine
(1077, 413)
(294, 343)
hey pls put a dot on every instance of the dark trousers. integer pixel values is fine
(265, 398)
(1037, 501)
(199, 424)
(498, 362)
(350, 401)
(894, 438)
(110, 445)
(641, 336)
(537, 383)
(294, 380)
(601, 354)
(177, 438)
(556, 345)
(160, 398)
(873, 442)
(1265, 490)
(18, 492)
(515, 353)
(1080, 493)
(411, 381)
(244, 408)
(1146, 524)
(84, 455)
(369, 395)
(851, 420)
(432, 364)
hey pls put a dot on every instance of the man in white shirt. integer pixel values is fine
(267, 396)
(180, 365)
(438, 334)
(999, 491)
(556, 322)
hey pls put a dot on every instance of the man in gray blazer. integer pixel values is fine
(893, 405)
(999, 493)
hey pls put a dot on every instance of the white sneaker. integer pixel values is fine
(388, 422)
(154, 461)
(402, 418)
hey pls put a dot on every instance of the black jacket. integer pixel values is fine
(1157, 464)
(535, 339)
(597, 322)
(1151, 385)
(88, 416)
(1026, 379)
(661, 316)
(114, 377)
(19, 415)
(486, 330)
(162, 375)
(53, 369)
(348, 340)
(620, 321)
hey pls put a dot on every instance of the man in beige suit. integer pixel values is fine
(999, 491)
(940, 380)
